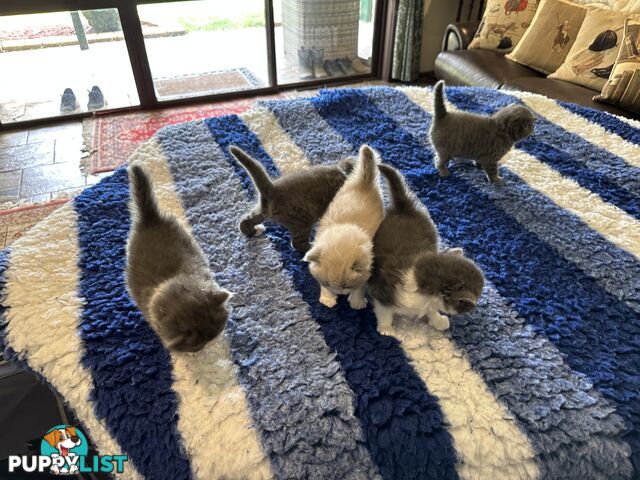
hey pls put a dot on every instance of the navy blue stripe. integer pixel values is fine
(592, 167)
(131, 370)
(401, 420)
(609, 122)
(6, 350)
(599, 334)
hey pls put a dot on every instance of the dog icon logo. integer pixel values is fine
(65, 445)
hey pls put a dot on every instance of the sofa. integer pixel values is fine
(457, 65)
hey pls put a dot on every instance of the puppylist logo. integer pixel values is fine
(64, 451)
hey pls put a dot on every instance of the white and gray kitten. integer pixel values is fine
(411, 277)
(341, 255)
(168, 275)
(484, 139)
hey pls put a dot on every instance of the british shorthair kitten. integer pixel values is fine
(168, 275)
(410, 276)
(484, 139)
(296, 200)
(342, 252)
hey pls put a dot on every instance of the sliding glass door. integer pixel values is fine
(56, 64)
(148, 53)
(209, 47)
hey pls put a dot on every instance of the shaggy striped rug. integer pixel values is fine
(541, 381)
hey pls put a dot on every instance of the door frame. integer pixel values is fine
(134, 40)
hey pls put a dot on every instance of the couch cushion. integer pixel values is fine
(480, 68)
(563, 91)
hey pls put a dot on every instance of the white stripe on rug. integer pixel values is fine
(278, 145)
(614, 224)
(449, 376)
(591, 132)
(44, 314)
(214, 418)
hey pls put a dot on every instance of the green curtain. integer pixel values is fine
(408, 41)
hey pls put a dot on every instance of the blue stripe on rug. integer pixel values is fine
(599, 335)
(618, 271)
(523, 370)
(592, 167)
(281, 356)
(132, 373)
(401, 420)
(609, 122)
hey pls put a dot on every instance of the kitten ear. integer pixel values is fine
(456, 251)
(222, 296)
(312, 255)
(359, 266)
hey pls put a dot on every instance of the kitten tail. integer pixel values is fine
(439, 107)
(144, 200)
(366, 169)
(401, 197)
(256, 171)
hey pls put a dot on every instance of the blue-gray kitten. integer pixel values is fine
(168, 275)
(411, 276)
(296, 200)
(485, 139)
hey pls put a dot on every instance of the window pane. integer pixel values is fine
(318, 40)
(47, 69)
(215, 46)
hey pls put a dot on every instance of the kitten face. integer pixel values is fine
(518, 120)
(341, 258)
(455, 279)
(189, 314)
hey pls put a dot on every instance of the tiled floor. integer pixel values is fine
(41, 164)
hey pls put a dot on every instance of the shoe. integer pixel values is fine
(68, 102)
(345, 66)
(332, 68)
(359, 66)
(316, 59)
(304, 63)
(96, 99)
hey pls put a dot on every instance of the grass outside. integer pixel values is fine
(209, 24)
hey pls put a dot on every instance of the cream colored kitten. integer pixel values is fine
(341, 256)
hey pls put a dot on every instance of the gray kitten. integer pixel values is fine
(168, 275)
(410, 276)
(296, 200)
(485, 139)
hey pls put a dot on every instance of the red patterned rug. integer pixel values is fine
(111, 138)
(14, 222)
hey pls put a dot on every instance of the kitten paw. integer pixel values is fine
(259, 230)
(440, 323)
(357, 303)
(329, 302)
(387, 331)
(444, 172)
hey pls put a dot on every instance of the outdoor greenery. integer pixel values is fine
(191, 24)
(105, 20)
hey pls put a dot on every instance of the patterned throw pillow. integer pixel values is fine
(623, 87)
(503, 24)
(594, 52)
(548, 40)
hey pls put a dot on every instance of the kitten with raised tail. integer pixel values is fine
(341, 256)
(411, 277)
(484, 139)
(168, 275)
(296, 200)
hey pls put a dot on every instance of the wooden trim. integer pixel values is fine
(271, 42)
(134, 38)
(389, 30)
